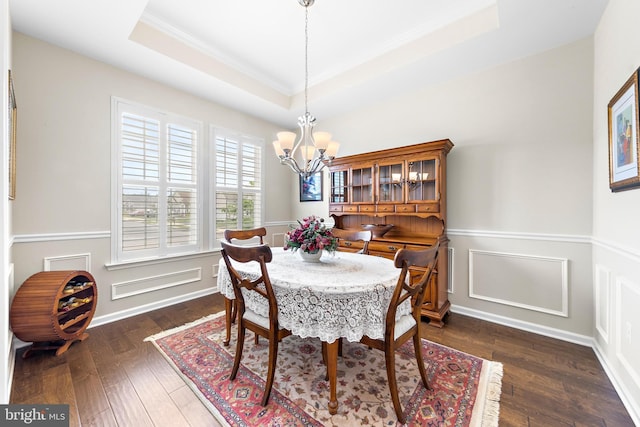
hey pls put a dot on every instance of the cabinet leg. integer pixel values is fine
(437, 317)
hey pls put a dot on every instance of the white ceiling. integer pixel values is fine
(249, 54)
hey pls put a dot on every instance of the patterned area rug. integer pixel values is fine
(465, 389)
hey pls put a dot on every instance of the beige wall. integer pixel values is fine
(616, 228)
(63, 205)
(518, 182)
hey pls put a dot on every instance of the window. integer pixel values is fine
(238, 182)
(156, 180)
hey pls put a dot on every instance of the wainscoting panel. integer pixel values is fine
(154, 283)
(68, 262)
(526, 281)
(628, 325)
(602, 287)
(451, 254)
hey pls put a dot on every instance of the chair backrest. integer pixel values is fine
(405, 259)
(245, 234)
(354, 236)
(244, 254)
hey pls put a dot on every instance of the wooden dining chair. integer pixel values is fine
(398, 331)
(240, 237)
(245, 235)
(353, 236)
(267, 327)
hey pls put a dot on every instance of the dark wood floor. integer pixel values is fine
(114, 378)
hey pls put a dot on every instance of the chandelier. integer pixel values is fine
(312, 150)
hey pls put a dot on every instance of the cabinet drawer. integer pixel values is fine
(335, 208)
(405, 208)
(429, 207)
(386, 208)
(350, 208)
(351, 246)
(367, 208)
(390, 248)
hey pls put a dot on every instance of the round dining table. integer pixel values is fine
(345, 295)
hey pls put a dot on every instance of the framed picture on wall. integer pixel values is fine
(311, 188)
(624, 164)
(12, 126)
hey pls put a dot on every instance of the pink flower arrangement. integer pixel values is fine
(311, 236)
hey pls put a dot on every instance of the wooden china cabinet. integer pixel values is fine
(406, 187)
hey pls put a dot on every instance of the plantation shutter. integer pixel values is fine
(158, 184)
(182, 224)
(251, 185)
(140, 147)
(238, 184)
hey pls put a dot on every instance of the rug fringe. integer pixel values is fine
(491, 376)
(183, 327)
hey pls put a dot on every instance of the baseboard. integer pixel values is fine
(11, 365)
(103, 320)
(525, 326)
(631, 406)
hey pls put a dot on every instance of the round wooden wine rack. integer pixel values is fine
(52, 309)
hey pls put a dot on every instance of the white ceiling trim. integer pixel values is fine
(159, 36)
(163, 43)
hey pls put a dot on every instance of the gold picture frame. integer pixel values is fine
(13, 126)
(624, 148)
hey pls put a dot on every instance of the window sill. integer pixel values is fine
(122, 265)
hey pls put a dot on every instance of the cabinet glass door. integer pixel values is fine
(390, 181)
(362, 185)
(422, 180)
(339, 187)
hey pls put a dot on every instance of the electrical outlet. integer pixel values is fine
(628, 332)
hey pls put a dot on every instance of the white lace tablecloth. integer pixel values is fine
(344, 295)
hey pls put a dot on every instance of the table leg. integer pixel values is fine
(228, 308)
(332, 369)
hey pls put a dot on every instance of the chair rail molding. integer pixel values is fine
(570, 238)
(632, 253)
(51, 237)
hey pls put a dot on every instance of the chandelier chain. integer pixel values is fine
(306, 58)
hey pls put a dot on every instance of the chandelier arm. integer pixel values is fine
(291, 162)
(316, 165)
(313, 165)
